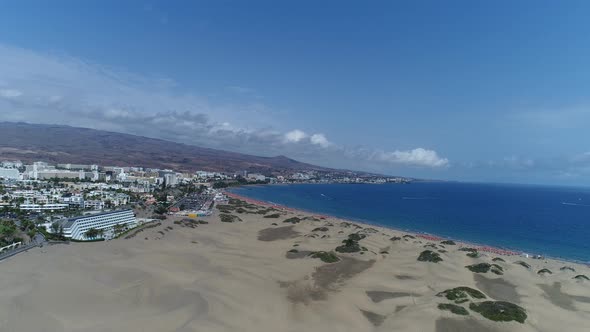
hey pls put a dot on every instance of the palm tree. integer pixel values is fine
(92, 233)
(119, 228)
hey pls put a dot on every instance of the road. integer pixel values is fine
(37, 241)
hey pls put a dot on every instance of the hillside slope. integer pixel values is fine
(64, 144)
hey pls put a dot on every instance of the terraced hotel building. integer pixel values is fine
(75, 228)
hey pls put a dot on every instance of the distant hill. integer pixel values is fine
(64, 144)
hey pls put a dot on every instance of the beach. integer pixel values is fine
(265, 271)
(517, 218)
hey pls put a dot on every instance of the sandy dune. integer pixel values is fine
(241, 277)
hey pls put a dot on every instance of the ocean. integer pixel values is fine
(550, 221)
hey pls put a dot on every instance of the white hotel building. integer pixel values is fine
(10, 174)
(75, 228)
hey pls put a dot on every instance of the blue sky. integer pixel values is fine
(462, 90)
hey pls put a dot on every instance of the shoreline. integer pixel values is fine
(282, 269)
(509, 252)
(424, 235)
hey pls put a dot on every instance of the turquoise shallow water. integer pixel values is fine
(552, 221)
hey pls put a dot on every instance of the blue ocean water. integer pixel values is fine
(551, 221)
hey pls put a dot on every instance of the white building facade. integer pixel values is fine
(43, 207)
(94, 204)
(75, 228)
(9, 174)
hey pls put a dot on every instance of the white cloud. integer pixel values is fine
(57, 89)
(320, 139)
(295, 136)
(10, 93)
(415, 157)
(66, 90)
(299, 136)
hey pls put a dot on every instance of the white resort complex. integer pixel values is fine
(75, 228)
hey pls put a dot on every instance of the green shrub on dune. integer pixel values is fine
(233, 202)
(521, 263)
(311, 218)
(265, 211)
(485, 267)
(356, 236)
(581, 277)
(479, 268)
(500, 311)
(497, 269)
(563, 268)
(349, 246)
(292, 220)
(429, 256)
(448, 242)
(498, 259)
(352, 244)
(326, 257)
(274, 215)
(229, 218)
(461, 293)
(456, 309)
(544, 271)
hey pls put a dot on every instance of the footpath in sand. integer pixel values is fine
(267, 269)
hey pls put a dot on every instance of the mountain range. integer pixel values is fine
(64, 144)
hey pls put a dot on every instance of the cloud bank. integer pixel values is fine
(59, 89)
(416, 157)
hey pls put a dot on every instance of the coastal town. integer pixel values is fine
(75, 202)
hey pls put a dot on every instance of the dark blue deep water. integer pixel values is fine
(552, 221)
